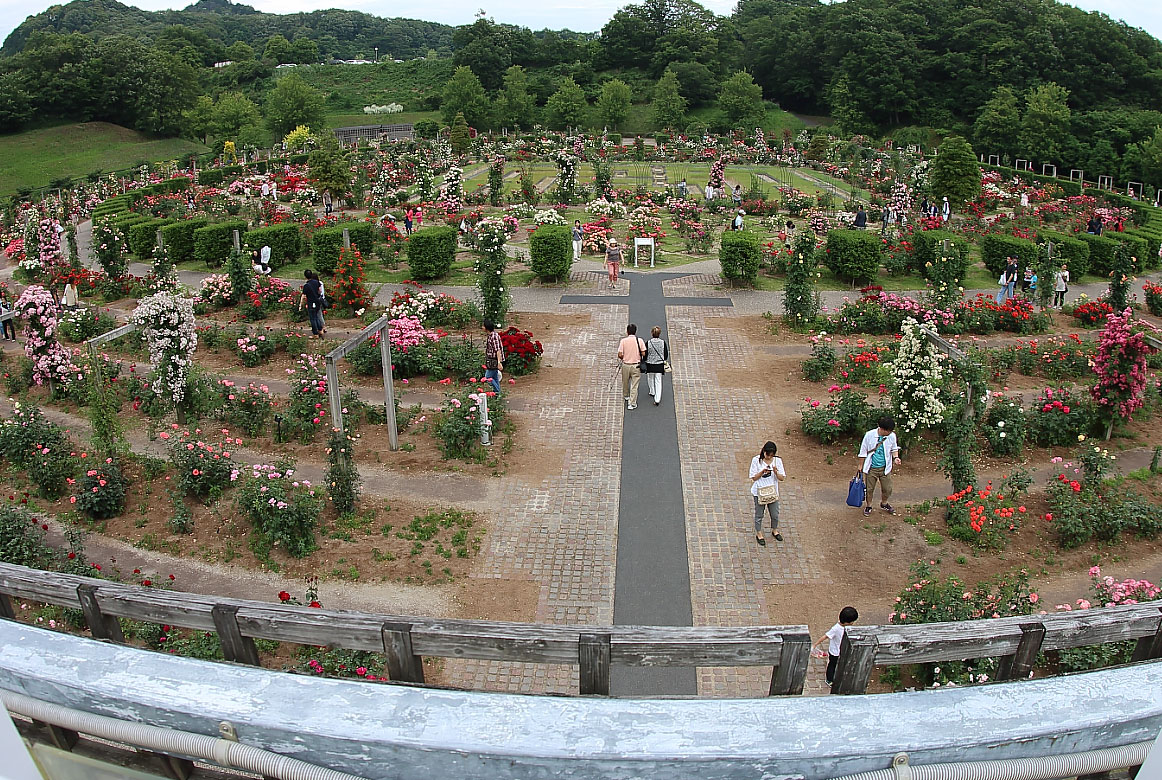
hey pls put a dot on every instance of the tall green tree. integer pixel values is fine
(997, 129)
(291, 103)
(516, 102)
(458, 137)
(669, 105)
(304, 51)
(463, 94)
(200, 118)
(741, 100)
(613, 104)
(849, 116)
(278, 50)
(232, 112)
(1045, 129)
(1143, 161)
(955, 171)
(329, 166)
(567, 107)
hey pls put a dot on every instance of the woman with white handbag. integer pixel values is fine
(766, 472)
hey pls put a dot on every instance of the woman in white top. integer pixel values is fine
(657, 353)
(70, 296)
(1060, 286)
(766, 471)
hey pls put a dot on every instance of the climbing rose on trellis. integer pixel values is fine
(50, 361)
(452, 191)
(716, 174)
(917, 374)
(168, 323)
(349, 289)
(1120, 365)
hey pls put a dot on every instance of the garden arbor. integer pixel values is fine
(380, 328)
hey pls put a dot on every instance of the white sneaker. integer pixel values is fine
(631, 407)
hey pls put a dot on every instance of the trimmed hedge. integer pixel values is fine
(179, 238)
(142, 237)
(211, 177)
(124, 221)
(1070, 250)
(854, 255)
(995, 250)
(1101, 253)
(212, 243)
(551, 252)
(431, 252)
(1153, 240)
(326, 243)
(285, 242)
(740, 256)
(929, 244)
(1137, 245)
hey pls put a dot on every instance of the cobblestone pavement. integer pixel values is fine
(561, 533)
(729, 572)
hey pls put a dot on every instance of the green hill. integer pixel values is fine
(37, 157)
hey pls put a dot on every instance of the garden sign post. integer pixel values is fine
(380, 326)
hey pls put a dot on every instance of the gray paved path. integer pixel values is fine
(652, 580)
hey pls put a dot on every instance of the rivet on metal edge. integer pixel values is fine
(226, 731)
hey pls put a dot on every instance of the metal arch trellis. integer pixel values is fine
(379, 327)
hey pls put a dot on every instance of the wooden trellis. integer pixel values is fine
(379, 326)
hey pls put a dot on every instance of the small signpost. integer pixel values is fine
(638, 243)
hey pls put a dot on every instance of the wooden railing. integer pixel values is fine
(404, 641)
(1016, 640)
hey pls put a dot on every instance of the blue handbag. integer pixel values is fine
(856, 490)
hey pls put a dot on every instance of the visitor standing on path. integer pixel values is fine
(312, 297)
(613, 262)
(860, 221)
(5, 307)
(766, 472)
(737, 197)
(328, 202)
(1060, 286)
(945, 210)
(834, 639)
(880, 451)
(493, 356)
(407, 221)
(577, 236)
(657, 356)
(631, 351)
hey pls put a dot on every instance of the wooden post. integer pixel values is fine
(347, 239)
(946, 246)
(593, 654)
(61, 738)
(857, 659)
(791, 673)
(1149, 647)
(1018, 665)
(403, 665)
(101, 626)
(388, 390)
(6, 610)
(237, 242)
(333, 394)
(160, 240)
(235, 646)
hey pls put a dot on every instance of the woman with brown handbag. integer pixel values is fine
(766, 472)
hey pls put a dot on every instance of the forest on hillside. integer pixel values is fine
(1032, 78)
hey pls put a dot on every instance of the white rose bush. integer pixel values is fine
(917, 375)
(168, 323)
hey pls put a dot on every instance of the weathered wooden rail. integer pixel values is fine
(404, 641)
(1016, 640)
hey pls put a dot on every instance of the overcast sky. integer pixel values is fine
(579, 15)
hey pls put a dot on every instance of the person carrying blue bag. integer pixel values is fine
(880, 451)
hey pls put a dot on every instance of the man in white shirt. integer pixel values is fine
(879, 451)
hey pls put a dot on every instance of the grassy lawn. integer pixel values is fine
(37, 157)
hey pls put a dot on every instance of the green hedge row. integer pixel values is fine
(285, 242)
(854, 255)
(179, 238)
(551, 252)
(740, 256)
(431, 252)
(1153, 239)
(1101, 253)
(1068, 249)
(212, 243)
(327, 242)
(142, 237)
(995, 250)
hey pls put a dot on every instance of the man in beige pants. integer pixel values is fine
(630, 351)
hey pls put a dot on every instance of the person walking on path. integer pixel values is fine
(407, 221)
(766, 472)
(313, 298)
(945, 210)
(737, 196)
(631, 351)
(328, 202)
(5, 307)
(493, 356)
(880, 451)
(860, 221)
(834, 640)
(657, 355)
(613, 261)
(1060, 286)
(577, 236)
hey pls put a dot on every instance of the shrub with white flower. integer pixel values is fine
(567, 178)
(494, 298)
(549, 217)
(520, 210)
(452, 190)
(604, 208)
(110, 248)
(50, 361)
(717, 169)
(167, 321)
(917, 374)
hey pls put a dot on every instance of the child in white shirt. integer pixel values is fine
(834, 639)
